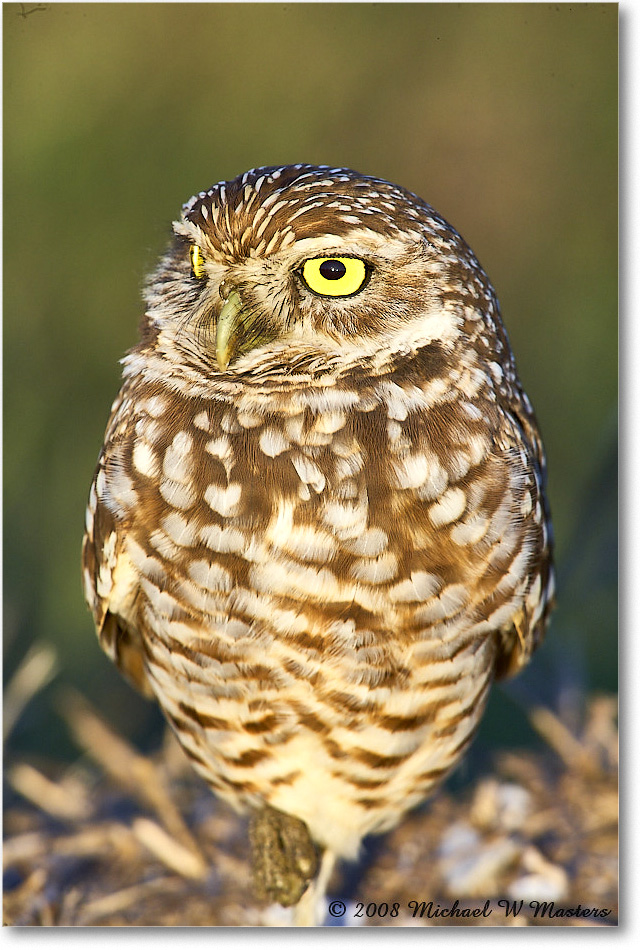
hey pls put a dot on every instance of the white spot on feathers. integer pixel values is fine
(145, 460)
(420, 586)
(272, 442)
(223, 500)
(450, 506)
(309, 473)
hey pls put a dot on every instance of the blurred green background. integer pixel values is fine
(503, 116)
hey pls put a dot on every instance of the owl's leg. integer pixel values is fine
(284, 857)
(312, 909)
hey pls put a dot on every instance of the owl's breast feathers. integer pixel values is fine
(376, 519)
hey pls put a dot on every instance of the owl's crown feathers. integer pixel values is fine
(267, 208)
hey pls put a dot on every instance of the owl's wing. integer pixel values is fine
(517, 644)
(111, 587)
(518, 641)
(111, 583)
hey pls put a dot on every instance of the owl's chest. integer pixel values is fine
(333, 478)
(349, 504)
(269, 551)
(330, 525)
(227, 467)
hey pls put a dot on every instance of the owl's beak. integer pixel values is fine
(228, 323)
(239, 327)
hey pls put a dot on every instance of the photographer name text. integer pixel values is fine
(430, 909)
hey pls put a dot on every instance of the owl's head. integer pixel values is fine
(313, 262)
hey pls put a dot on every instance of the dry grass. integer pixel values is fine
(121, 839)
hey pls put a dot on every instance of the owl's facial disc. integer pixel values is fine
(246, 320)
(320, 292)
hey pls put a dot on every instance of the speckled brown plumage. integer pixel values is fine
(318, 528)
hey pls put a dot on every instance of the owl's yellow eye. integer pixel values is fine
(335, 276)
(197, 261)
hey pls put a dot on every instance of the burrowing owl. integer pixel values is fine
(317, 529)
